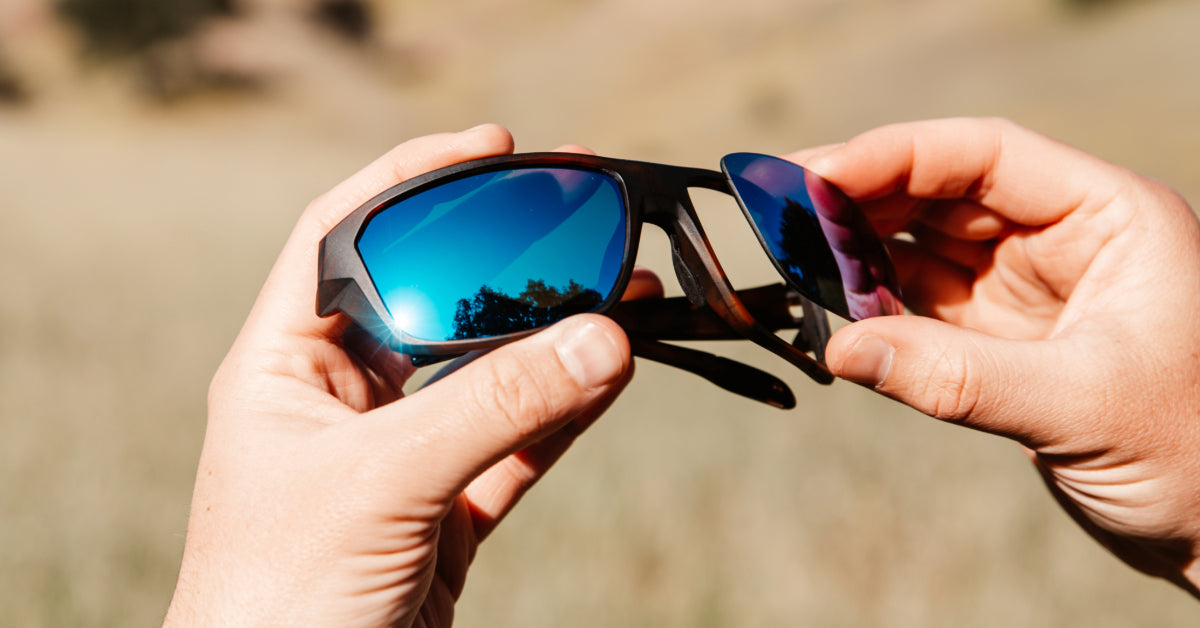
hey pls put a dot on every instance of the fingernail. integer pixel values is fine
(589, 355)
(869, 361)
(477, 127)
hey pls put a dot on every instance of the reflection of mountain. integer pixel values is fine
(492, 313)
(807, 256)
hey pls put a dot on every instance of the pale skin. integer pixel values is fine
(1058, 295)
(324, 497)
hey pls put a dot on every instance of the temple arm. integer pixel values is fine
(737, 378)
(650, 321)
(676, 318)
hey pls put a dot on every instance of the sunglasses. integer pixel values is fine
(469, 257)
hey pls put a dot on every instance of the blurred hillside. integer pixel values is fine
(148, 183)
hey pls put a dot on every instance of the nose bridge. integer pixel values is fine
(667, 204)
(700, 274)
(696, 266)
(665, 190)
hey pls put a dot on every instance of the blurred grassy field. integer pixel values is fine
(135, 237)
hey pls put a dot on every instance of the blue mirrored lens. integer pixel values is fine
(816, 235)
(497, 252)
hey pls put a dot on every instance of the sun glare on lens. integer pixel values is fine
(412, 313)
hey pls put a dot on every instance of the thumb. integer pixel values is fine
(503, 402)
(1005, 387)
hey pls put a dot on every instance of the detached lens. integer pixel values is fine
(498, 252)
(817, 237)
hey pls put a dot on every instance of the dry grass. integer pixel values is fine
(135, 238)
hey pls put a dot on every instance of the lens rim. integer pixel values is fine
(345, 284)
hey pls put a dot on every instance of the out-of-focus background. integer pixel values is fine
(154, 155)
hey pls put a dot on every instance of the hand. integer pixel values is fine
(1062, 294)
(325, 498)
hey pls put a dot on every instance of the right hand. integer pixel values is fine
(1061, 296)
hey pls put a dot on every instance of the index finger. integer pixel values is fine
(1020, 175)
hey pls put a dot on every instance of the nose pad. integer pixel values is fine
(687, 280)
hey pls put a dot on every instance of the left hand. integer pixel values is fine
(326, 497)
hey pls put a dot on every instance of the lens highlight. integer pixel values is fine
(817, 237)
(497, 252)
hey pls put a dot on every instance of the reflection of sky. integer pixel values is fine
(499, 229)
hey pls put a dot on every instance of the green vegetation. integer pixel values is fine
(118, 27)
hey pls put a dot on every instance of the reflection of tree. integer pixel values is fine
(807, 255)
(118, 27)
(492, 313)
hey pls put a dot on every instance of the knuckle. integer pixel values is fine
(1000, 123)
(952, 390)
(507, 389)
(999, 127)
(324, 213)
(497, 136)
(225, 382)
